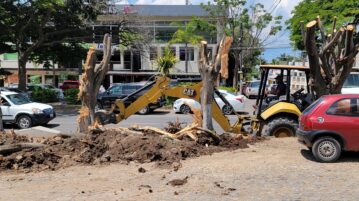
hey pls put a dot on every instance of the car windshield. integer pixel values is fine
(18, 99)
(352, 81)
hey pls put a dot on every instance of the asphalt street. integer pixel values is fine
(67, 123)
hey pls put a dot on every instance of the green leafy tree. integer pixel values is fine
(246, 24)
(191, 33)
(66, 55)
(307, 10)
(166, 62)
(32, 24)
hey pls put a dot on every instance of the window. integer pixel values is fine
(116, 57)
(190, 54)
(18, 99)
(153, 53)
(345, 107)
(312, 106)
(352, 81)
(115, 90)
(129, 89)
(164, 34)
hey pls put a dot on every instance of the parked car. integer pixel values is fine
(351, 84)
(59, 93)
(70, 84)
(330, 125)
(121, 91)
(18, 109)
(184, 105)
(252, 89)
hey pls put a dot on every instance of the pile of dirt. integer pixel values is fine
(115, 146)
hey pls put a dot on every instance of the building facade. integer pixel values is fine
(157, 23)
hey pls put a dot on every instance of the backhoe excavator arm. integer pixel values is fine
(161, 87)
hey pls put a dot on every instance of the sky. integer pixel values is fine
(275, 47)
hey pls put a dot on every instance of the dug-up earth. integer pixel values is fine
(274, 169)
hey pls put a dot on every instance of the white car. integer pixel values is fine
(252, 88)
(18, 109)
(184, 105)
(351, 84)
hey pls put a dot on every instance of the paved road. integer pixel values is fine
(67, 124)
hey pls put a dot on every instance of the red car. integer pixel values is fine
(70, 84)
(330, 125)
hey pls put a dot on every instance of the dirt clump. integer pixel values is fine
(178, 182)
(114, 146)
(11, 138)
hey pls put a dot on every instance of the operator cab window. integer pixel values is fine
(345, 107)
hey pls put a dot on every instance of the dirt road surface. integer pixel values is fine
(276, 169)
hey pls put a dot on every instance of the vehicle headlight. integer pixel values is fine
(37, 111)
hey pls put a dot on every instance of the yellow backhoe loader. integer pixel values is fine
(275, 116)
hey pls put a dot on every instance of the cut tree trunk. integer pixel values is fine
(90, 84)
(22, 73)
(332, 60)
(209, 71)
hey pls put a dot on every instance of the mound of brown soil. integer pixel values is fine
(114, 146)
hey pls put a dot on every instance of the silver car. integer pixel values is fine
(252, 89)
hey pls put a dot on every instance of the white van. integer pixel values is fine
(351, 84)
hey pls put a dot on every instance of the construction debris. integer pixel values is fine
(123, 145)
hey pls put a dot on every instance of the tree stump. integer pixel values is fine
(90, 84)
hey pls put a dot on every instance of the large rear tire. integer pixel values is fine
(280, 127)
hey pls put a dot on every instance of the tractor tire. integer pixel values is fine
(280, 127)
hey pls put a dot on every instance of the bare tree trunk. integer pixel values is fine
(237, 63)
(91, 81)
(207, 93)
(209, 73)
(332, 62)
(22, 73)
(53, 74)
(1, 122)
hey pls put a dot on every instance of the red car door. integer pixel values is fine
(342, 117)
